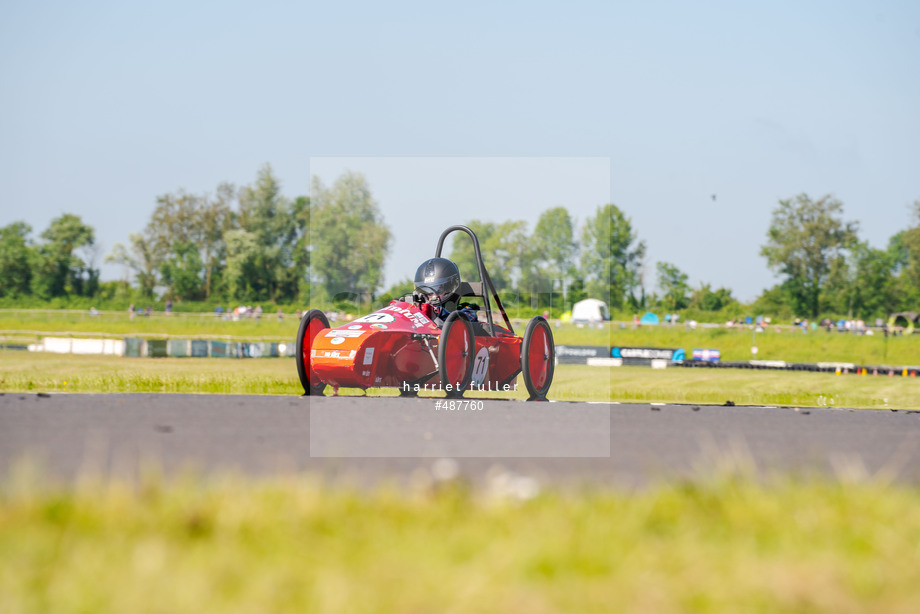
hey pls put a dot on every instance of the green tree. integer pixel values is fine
(178, 221)
(214, 218)
(396, 291)
(554, 242)
(348, 238)
(706, 299)
(510, 257)
(905, 250)
(300, 271)
(463, 255)
(243, 264)
(174, 221)
(182, 272)
(554, 248)
(146, 264)
(611, 257)
(63, 262)
(509, 250)
(673, 284)
(862, 283)
(774, 301)
(273, 220)
(273, 249)
(804, 237)
(140, 259)
(16, 256)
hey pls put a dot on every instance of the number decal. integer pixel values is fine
(480, 367)
(377, 317)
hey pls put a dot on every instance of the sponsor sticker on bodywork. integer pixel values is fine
(345, 333)
(333, 354)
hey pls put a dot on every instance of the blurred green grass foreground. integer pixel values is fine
(292, 544)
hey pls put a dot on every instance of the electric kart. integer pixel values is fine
(399, 346)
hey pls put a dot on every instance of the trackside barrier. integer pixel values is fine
(706, 355)
(210, 348)
(646, 355)
(136, 347)
(68, 345)
(843, 368)
(579, 354)
(655, 357)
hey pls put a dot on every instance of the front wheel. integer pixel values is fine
(456, 355)
(538, 358)
(310, 325)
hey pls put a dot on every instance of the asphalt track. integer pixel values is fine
(121, 435)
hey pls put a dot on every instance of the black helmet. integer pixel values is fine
(438, 279)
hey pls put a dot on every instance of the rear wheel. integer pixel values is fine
(538, 358)
(313, 322)
(455, 354)
(409, 393)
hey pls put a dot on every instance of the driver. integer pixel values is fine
(436, 283)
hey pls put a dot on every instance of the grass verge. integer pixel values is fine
(36, 372)
(293, 545)
(735, 344)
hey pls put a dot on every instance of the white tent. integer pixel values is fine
(590, 310)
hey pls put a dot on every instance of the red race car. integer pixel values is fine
(400, 346)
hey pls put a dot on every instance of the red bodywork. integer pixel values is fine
(387, 349)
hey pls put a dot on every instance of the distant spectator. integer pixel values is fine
(131, 311)
(280, 315)
(258, 312)
(219, 310)
(93, 311)
(148, 311)
(805, 325)
(635, 320)
(168, 307)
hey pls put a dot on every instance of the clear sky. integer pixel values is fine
(103, 106)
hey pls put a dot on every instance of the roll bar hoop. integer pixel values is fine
(483, 276)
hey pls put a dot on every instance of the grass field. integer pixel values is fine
(35, 372)
(729, 544)
(735, 344)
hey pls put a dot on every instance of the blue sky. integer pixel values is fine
(103, 106)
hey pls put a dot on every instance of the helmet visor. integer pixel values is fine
(439, 290)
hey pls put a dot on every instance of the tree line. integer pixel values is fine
(254, 244)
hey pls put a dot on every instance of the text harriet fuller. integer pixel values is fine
(407, 387)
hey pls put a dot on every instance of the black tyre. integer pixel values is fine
(538, 358)
(310, 325)
(456, 352)
(408, 394)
